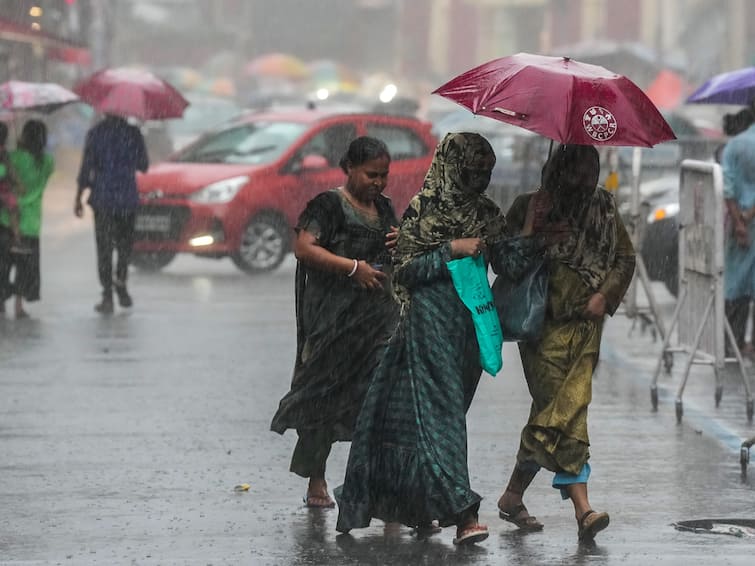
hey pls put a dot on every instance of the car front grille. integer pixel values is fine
(156, 223)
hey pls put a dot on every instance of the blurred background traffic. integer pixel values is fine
(234, 59)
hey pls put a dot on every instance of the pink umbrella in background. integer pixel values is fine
(35, 97)
(132, 93)
(561, 99)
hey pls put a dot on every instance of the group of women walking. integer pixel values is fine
(387, 355)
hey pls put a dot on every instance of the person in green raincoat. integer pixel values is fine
(591, 260)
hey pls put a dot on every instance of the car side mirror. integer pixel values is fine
(313, 162)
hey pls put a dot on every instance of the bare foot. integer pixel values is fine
(21, 314)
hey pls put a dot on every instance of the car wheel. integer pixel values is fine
(264, 244)
(151, 261)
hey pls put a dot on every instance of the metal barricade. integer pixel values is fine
(650, 315)
(699, 313)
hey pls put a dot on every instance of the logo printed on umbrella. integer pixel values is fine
(599, 123)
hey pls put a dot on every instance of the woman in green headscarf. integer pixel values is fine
(408, 459)
(590, 260)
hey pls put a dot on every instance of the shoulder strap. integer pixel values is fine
(529, 218)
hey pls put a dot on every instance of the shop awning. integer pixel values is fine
(57, 48)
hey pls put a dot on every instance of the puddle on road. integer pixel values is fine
(732, 527)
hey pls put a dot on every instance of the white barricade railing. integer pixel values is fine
(636, 226)
(699, 313)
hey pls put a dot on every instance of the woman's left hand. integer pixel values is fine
(367, 277)
(596, 307)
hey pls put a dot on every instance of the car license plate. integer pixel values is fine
(152, 223)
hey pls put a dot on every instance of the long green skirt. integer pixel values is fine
(408, 459)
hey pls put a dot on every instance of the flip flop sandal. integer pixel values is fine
(311, 501)
(529, 523)
(590, 524)
(472, 535)
(426, 530)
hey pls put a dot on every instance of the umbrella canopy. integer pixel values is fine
(132, 92)
(667, 90)
(183, 78)
(278, 65)
(631, 59)
(38, 97)
(734, 87)
(562, 99)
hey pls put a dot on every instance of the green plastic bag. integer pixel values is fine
(470, 278)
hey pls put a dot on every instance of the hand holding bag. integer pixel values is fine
(470, 279)
(521, 302)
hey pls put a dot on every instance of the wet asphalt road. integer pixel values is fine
(122, 438)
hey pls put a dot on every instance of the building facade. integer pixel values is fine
(42, 39)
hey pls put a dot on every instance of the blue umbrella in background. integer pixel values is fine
(734, 87)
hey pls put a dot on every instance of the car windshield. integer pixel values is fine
(249, 144)
(202, 116)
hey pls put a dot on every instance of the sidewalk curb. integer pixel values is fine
(700, 420)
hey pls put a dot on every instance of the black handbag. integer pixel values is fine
(521, 304)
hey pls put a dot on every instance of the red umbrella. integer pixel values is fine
(132, 92)
(562, 99)
(668, 89)
(38, 97)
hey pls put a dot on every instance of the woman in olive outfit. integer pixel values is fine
(590, 262)
(345, 310)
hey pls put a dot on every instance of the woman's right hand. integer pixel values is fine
(467, 247)
(742, 235)
(555, 233)
(368, 277)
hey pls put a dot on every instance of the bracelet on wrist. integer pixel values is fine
(353, 269)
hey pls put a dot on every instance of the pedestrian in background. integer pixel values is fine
(408, 459)
(738, 165)
(590, 260)
(345, 311)
(733, 125)
(113, 152)
(8, 209)
(8, 187)
(32, 167)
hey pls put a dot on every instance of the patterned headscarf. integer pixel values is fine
(450, 204)
(589, 211)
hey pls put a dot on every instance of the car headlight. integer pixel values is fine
(663, 211)
(222, 191)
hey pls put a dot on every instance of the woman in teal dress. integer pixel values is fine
(408, 458)
(345, 310)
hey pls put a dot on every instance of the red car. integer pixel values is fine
(238, 191)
